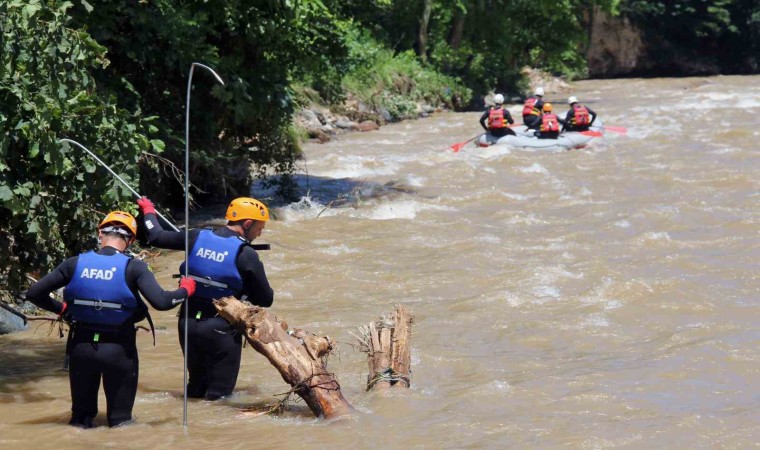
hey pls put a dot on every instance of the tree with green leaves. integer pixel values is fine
(259, 47)
(52, 195)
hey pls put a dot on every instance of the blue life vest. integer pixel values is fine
(213, 265)
(98, 293)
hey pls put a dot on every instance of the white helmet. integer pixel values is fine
(572, 100)
(498, 99)
(539, 91)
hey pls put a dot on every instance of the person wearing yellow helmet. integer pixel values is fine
(550, 123)
(224, 264)
(102, 304)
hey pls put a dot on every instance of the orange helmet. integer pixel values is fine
(547, 107)
(247, 208)
(121, 218)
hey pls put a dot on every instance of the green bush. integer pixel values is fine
(52, 195)
(395, 81)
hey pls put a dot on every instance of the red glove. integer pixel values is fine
(146, 206)
(188, 284)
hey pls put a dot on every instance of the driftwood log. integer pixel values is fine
(298, 355)
(387, 344)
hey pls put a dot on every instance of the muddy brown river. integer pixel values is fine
(607, 297)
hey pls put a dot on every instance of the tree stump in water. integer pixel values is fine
(297, 355)
(387, 343)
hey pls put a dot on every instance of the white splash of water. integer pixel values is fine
(534, 168)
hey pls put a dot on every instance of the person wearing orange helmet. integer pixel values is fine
(102, 304)
(224, 264)
(550, 123)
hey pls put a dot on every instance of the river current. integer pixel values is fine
(606, 297)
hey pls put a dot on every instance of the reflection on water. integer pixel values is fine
(596, 298)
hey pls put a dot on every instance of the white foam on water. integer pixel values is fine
(513, 299)
(359, 166)
(599, 294)
(622, 224)
(335, 250)
(489, 238)
(534, 168)
(715, 100)
(390, 142)
(657, 236)
(490, 152)
(568, 256)
(612, 304)
(494, 387)
(544, 292)
(724, 151)
(415, 181)
(518, 197)
(304, 209)
(595, 320)
(528, 219)
(403, 209)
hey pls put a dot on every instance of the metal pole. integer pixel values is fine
(115, 175)
(187, 212)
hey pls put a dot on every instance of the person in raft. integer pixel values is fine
(101, 303)
(224, 264)
(550, 123)
(579, 117)
(531, 113)
(498, 116)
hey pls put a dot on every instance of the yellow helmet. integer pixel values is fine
(122, 218)
(547, 107)
(247, 208)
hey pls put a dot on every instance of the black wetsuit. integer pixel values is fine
(94, 353)
(568, 125)
(498, 132)
(214, 348)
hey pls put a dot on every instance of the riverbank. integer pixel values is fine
(320, 122)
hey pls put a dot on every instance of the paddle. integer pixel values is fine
(621, 130)
(592, 133)
(456, 147)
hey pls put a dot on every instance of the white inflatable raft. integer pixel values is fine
(525, 139)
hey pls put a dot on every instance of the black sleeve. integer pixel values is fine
(483, 120)
(158, 237)
(508, 116)
(138, 275)
(39, 292)
(255, 283)
(539, 105)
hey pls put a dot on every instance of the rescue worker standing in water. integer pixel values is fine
(531, 113)
(498, 116)
(102, 305)
(224, 264)
(550, 123)
(579, 117)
